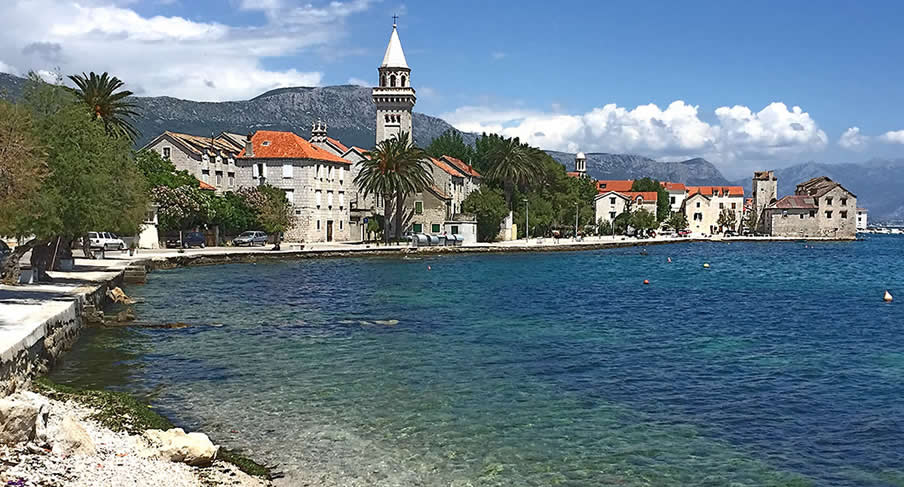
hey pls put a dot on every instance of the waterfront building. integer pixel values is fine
(677, 193)
(607, 206)
(703, 205)
(765, 192)
(210, 159)
(819, 207)
(861, 219)
(317, 183)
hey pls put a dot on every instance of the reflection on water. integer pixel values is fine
(779, 365)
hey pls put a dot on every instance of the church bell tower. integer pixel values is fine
(394, 96)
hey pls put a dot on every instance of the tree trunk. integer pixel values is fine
(42, 260)
(387, 216)
(399, 213)
(11, 269)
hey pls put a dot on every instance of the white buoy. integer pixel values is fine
(887, 297)
(706, 265)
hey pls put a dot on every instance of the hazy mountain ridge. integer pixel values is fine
(876, 183)
(695, 171)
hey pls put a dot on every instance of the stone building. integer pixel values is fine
(765, 192)
(317, 183)
(819, 207)
(607, 206)
(703, 205)
(210, 159)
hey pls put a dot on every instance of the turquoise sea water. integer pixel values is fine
(779, 365)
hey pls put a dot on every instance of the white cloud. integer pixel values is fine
(676, 131)
(6, 68)
(172, 56)
(893, 137)
(497, 55)
(358, 82)
(852, 139)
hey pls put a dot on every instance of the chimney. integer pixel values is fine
(249, 147)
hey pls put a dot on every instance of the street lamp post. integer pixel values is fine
(576, 220)
(526, 219)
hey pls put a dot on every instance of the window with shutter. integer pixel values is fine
(341, 199)
(317, 198)
(329, 199)
(254, 171)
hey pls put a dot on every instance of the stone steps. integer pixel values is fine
(135, 274)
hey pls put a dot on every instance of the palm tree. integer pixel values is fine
(511, 164)
(98, 93)
(394, 169)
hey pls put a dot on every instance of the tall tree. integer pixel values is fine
(510, 164)
(161, 172)
(23, 169)
(663, 205)
(678, 221)
(450, 143)
(488, 205)
(106, 104)
(92, 182)
(394, 169)
(642, 220)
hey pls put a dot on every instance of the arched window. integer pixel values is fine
(404, 79)
(383, 81)
(392, 81)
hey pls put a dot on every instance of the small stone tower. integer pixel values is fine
(580, 164)
(394, 95)
(318, 132)
(765, 189)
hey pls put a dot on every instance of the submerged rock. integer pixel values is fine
(176, 446)
(71, 439)
(23, 418)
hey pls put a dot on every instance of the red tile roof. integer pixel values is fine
(464, 168)
(646, 195)
(574, 174)
(339, 145)
(445, 167)
(719, 190)
(799, 202)
(270, 144)
(674, 186)
(203, 185)
(614, 185)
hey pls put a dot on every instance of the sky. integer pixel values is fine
(747, 85)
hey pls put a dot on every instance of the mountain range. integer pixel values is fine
(349, 113)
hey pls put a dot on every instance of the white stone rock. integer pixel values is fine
(176, 446)
(71, 439)
(23, 417)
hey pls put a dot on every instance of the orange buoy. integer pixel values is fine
(887, 297)
(645, 281)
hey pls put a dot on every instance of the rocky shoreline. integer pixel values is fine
(55, 438)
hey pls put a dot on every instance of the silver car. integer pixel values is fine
(250, 239)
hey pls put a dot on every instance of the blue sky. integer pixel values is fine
(664, 79)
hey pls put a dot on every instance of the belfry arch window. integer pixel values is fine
(392, 81)
(404, 79)
(383, 80)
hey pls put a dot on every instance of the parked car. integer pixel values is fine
(684, 233)
(730, 233)
(106, 241)
(250, 238)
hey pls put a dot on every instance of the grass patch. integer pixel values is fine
(119, 411)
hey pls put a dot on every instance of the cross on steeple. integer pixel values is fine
(394, 19)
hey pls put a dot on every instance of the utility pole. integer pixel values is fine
(526, 219)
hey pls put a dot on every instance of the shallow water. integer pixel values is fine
(779, 365)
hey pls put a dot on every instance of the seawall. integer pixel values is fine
(38, 323)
